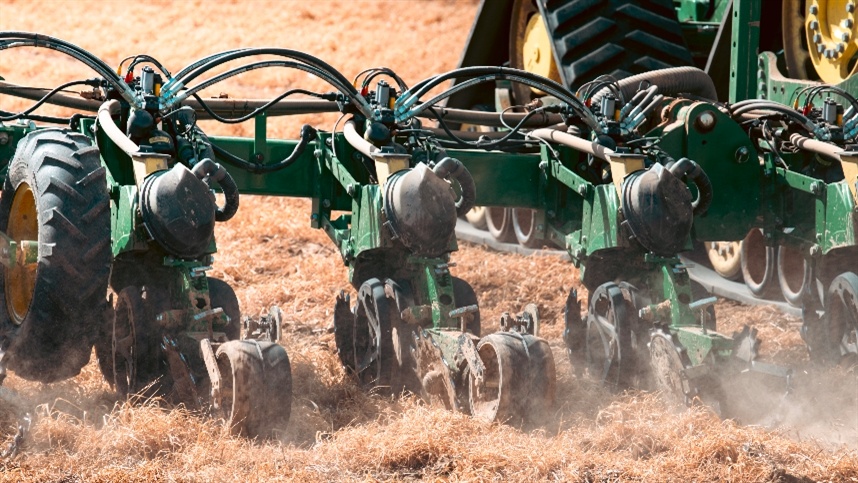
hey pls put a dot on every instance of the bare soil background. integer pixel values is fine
(270, 255)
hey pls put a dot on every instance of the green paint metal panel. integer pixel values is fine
(601, 229)
(744, 44)
(298, 180)
(504, 179)
(839, 217)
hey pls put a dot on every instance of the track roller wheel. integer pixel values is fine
(841, 319)
(725, 257)
(375, 357)
(255, 390)
(610, 342)
(758, 265)
(525, 224)
(477, 217)
(55, 197)
(499, 224)
(519, 380)
(820, 38)
(792, 274)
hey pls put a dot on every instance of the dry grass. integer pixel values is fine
(271, 256)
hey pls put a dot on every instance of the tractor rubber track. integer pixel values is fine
(615, 37)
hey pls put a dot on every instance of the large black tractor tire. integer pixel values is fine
(55, 193)
(590, 38)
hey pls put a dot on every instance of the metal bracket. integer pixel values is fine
(469, 352)
(214, 373)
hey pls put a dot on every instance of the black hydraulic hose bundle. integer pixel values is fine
(452, 168)
(690, 169)
(308, 133)
(217, 173)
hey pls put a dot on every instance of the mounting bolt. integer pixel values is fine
(846, 23)
(840, 48)
(814, 9)
(351, 190)
(820, 48)
(742, 154)
(326, 203)
(317, 153)
(705, 122)
(850, 7)
(814, 25)
(816, 187)
(844, 36)
(582, 190)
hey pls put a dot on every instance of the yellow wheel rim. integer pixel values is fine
(725, 257)
(832, 38)
(21, 279)
(536, 49)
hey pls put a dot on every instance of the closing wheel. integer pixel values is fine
(375, 355)
(499, 224)
(255, 387)
(759, 265)
(56, 195)
(841, 319)
(725, 257)
(791, 268)
(609, 350)
(519, 380)
(820, 39)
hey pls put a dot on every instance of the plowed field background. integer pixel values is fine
(270, 255)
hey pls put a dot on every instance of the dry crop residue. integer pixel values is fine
(269, 254)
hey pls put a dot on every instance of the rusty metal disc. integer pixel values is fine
(841, 318)
(668, 364)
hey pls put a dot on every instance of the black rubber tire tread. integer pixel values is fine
(465, 295)
(615, 37)
(223, 296)
(500, 359)
(55, 338)
(260, 378)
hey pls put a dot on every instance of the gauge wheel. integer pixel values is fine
(54, 309)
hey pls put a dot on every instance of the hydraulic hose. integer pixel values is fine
(105, 120)
(357, 141)
(670, 81)
(752, 105)
(819, 147)
(688, 168)
(451, 168)
(574, 142)
(308, 133)
(219, 175)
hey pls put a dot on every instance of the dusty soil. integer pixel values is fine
(270, 255)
